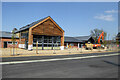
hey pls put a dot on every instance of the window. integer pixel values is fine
(9, 42)
(71, 44)
(24, 35)
(15, 42)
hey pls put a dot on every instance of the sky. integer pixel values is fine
(75, 18)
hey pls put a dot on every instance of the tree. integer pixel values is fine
(13, 35)
(13, 38)
(96, 33)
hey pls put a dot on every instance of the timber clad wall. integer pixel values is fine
(22, 37)
(47, 28)
(30, 40)
(52, 35)
(22, 41)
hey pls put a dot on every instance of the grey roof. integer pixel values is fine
(83, 38)
(77, 39)
(71, 39)
(32, 24)
(6, 34)
(118, 35)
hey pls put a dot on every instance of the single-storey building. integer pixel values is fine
(6, 40)
(78, 41)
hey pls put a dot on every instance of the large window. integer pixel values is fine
(47, 41)
(24, 35)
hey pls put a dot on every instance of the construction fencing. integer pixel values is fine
(73, 50)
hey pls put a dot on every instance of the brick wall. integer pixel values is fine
(2, 40)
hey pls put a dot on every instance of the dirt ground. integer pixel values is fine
(10, 52)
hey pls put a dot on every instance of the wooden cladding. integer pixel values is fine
(30, 40)
(47, 28)
(22, 41)
(62, 40)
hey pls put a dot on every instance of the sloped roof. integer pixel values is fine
(83, 38)
(118, 35)
(33, 23)
(77, 39)
(6, 34)
(71, 39)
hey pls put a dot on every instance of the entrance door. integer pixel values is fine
(5, 44)
(26, 44)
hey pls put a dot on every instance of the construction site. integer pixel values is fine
(46, 37)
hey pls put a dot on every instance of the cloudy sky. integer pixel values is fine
(77, 19)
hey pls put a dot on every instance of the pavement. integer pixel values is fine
(36, 57)
(94, 67)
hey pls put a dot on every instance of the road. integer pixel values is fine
(96, 67)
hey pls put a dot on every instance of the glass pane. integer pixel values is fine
(9, 42)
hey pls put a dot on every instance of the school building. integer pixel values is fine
(44, 34)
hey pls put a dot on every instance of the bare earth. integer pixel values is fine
(8, 52)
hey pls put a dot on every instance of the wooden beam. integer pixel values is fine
(62, 40)
(30, 39)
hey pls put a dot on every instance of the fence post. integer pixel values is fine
(54, 49)
(69, 49)
(16, 50)
(10, 51)
(37, 47)
(13, 50)
(81, 48)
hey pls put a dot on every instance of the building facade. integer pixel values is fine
(44, 34)
(6, 40)
(78, 41)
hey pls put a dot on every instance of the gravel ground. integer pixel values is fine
(8, 52)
